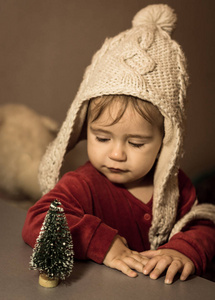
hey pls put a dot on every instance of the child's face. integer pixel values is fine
(126, 151)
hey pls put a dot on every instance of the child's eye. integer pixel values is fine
(102, 140)
(135, 145)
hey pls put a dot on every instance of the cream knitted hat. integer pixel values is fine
(146, 63)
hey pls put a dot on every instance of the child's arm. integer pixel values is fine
(195, 241)
(186, 252)
(91, 237)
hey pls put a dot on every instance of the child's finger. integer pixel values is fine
(157, 265)
(189, 269)
(142, 259)
(175, 267)
(160, 267)
(123, 267)
(149, 253)
(134, 264)
(150, 265)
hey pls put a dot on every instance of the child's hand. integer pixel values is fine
(169, 259)
(120, 257)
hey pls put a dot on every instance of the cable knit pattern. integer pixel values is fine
(201, 211)
(146, 63)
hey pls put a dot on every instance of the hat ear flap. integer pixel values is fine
(52, 160)
(79, 129)
(166, 192)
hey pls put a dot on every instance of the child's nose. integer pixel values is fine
(118, 153)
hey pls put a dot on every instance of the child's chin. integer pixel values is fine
(116, 179)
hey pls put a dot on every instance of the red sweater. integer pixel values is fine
(97, 210)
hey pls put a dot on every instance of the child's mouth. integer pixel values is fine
(113, 170)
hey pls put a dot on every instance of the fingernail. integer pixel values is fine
(153, 276)
(133, 274)
(167, 281)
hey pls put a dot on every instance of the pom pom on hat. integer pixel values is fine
(159, 15)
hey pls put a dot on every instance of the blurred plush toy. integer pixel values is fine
(24, 136)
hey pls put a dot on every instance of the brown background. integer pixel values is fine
(45, 46)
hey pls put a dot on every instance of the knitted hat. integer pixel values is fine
(146, 63)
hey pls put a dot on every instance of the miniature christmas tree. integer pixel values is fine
(53, 252)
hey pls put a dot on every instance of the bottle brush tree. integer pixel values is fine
(53, 252)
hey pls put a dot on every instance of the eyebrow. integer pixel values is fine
(138, 136)
(99, 130)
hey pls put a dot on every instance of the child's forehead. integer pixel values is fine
(113, 107)
(118, 104)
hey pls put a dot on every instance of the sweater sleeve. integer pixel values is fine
(91, 237)
(196, 240)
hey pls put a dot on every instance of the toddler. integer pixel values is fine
(130, 207)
